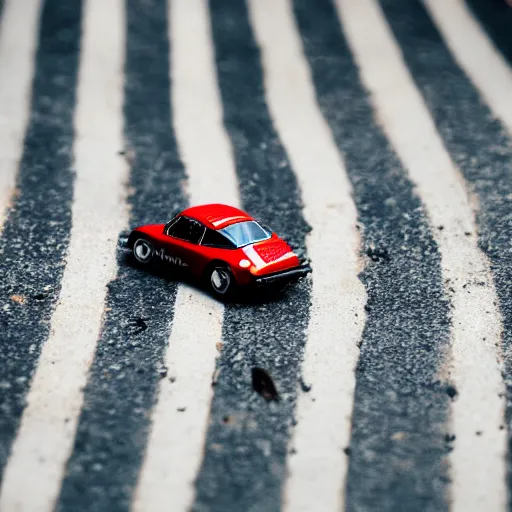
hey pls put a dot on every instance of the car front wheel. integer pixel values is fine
(221, 281)
(143, 250)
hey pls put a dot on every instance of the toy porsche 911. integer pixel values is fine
(221, 245)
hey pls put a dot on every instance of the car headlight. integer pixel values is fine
(244, 263)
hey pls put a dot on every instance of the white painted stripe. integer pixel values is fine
(476, 54)
(204, 145)
(317, 471)
(287, 256)
(255, 258)
(478, 462)
(16, 70)
(45, 439)
(227, 219)
(175, 446)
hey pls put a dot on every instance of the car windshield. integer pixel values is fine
(245, 233)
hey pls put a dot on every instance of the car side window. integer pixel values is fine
(169, 225)
(187, 229)
(215, 239)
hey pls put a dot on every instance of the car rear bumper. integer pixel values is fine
(284, 276)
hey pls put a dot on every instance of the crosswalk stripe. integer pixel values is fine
(197, 107)
(477, 140)
(495, 18)
(400, 413)
(248, 437)
(477, 461)
(476, 54)
(317, 469)
(122, 418)
(55, 398)
(35, 235)
(180, 416)
(17, 68)
(123, 381)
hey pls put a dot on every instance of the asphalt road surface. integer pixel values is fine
(376, 137)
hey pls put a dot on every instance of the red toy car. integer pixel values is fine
(220, 244)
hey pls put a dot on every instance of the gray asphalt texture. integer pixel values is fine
(398, 392)
(247, 441)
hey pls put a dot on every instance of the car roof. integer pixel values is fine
(216, 216)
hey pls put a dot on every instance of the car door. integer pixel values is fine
(179, 243)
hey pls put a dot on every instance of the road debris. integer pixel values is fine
(263, 384)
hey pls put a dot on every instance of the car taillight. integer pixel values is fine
(244, 263)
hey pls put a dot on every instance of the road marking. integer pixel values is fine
(35, 237)
(317, 469)
(180, 417)
(398, 410)
(495, 18)
(17, 70)
(54, 402)
(476, 54)
(477, 460)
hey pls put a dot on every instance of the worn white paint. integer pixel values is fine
(35, 469)
(476, 54)
(317, 470)
(478, 462)
(175, 447)
(16, 72)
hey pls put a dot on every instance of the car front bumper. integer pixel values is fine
(283, 276)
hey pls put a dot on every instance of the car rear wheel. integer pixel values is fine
(221, 280)
(143, 250)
